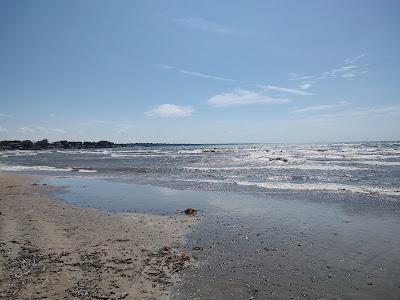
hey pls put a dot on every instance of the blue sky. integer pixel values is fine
(200, 71)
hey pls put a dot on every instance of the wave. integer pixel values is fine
(333, 187)
(87, 171)
(284, 167)
(4, 167)
(324, 187)
(23, 153)
(104, 152)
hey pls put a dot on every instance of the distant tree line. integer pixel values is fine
(44, 144)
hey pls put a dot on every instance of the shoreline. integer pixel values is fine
(56, 250)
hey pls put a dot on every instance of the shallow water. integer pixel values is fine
(296, 249)
(261, 246)
(344, 167)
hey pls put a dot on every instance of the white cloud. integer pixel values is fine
(52, 115)
(352, 60)
(43, 129)
(26, 129)
(194, 73)
(321, 107)
(349, 75)
(286, 90)
(170, 111)
(166, 67)
(244, 97)
(296, 76)
(59, 130)
(205, 25)
(207, 76)
(395, 109)
(121, 131)
(347, 70)
(5, 115)
(306, 85)
(385, 110)
(96, 123)
(2, 129)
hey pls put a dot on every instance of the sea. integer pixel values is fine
(276, 221)
(364, 168)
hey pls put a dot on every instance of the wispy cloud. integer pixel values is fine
(52, 115)
(352, 60)
(195, 74)
(395, 109)
(361, 112)
(170, 111)
(166, 67)
(286, 90)
(207, 76)
(96, 123)
(205, 25)
(41, 129)
(307, 81)
(26, 130)
(321, 107)
(240, 97)
(3, 129)
(296, 76)
(59, 130)
(306, 85)
(348, 70)
(5, 115)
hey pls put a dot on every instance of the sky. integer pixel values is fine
(200, 71)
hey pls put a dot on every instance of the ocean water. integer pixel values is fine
(300, 221)
(366, 168)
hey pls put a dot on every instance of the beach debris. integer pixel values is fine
(165, 248)
(197, 248)
(122, 260)
(208, 151)
(184, 257)
(279, 159)
(122, 240)
(190, 211)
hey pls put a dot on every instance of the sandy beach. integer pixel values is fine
(52, 250)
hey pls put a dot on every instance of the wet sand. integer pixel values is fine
(50, 249)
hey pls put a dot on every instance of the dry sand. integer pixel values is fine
(49, 249)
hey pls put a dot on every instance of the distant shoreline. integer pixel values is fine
(45, 144)
(64, 144)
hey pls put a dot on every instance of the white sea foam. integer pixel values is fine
(276, 185)
(87, 171)
(4, 167)
(379, 163)
(281, 166)
(127, 155)
(323, 186)
(195, 151)
(23, 153)
(72, 152)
